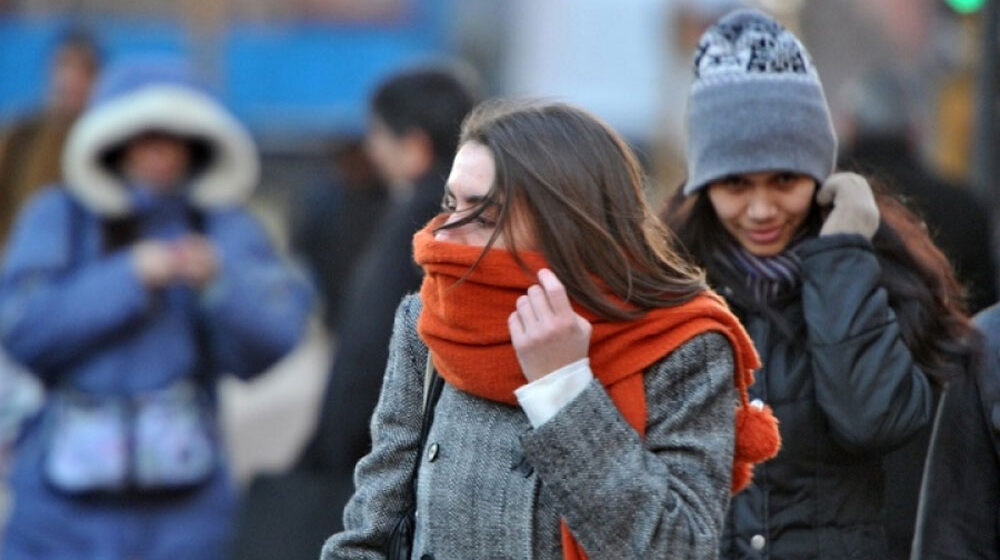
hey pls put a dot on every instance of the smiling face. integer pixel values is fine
(764, 210)
(468, 187)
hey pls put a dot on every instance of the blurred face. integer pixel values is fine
(763, 211)
(73, 73)
(385, 151)
(399, 159)
(157, 161)
(469, 183)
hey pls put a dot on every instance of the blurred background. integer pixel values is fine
(299, 73)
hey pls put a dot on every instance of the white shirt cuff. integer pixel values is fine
(543, 398)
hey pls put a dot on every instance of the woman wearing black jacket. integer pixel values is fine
(850, 305)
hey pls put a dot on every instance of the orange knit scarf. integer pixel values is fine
(465, 327)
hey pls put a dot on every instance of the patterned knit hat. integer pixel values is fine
(756, 104)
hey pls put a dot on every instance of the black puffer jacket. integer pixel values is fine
(845, 390)
(960, 500)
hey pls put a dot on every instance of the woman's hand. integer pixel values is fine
(854, 208)
(545, 331)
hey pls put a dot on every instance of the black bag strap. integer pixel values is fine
(433, 384)
(430, 376)
(399, 541)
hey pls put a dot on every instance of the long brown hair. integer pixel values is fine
(580, 187)
(927, 299)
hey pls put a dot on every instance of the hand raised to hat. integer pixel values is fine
(545, 331)
(854, 208)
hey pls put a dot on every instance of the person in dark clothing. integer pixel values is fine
(959, 222)
(412, 138)
(880, 123)
(853, 309)
(414, 126)
(334, 219)
(383, 275)
(960, 500)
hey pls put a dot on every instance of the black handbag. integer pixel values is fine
(399, 544)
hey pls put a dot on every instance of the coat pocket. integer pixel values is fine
(163, 440)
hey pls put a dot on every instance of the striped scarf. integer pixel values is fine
(767, 278)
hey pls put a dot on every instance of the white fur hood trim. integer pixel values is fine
(228, 180)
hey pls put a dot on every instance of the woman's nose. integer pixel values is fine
(760, 207)
(443, 235)
(450, 234)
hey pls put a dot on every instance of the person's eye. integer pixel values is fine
(787, 179)
(733, 182)
(486, 221)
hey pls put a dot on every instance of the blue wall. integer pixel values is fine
(292, 79)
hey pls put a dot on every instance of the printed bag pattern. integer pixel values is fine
(163, 440)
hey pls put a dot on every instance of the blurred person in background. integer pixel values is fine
(684, 22)
(414, 122)
(128, 292)
(333, 219)
(855, 312)
(30, 148)
(587, 377)
(30, 151)
(412, 136)
(881, 142)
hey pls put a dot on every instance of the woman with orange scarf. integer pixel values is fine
(594, 401)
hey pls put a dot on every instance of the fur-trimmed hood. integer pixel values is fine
(157, 95)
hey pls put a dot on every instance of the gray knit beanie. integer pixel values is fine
(756, 104)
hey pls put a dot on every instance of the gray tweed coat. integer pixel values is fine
(492, 487)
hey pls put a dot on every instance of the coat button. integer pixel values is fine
(521, 465)
(432, 452)
(426, 557)
(757, 542)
